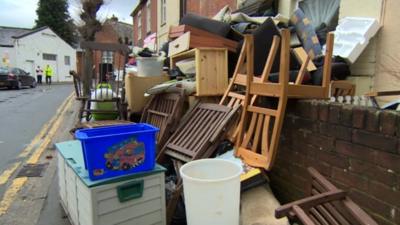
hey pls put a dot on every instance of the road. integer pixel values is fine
(22, 115)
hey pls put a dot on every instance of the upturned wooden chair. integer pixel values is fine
(326, 205)
(164, 111)
(256, 145)
(235, 93)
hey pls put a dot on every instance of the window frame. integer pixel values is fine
(107, 57)
(163, 17)
(148, 16)
(139, 16)
(67, 60)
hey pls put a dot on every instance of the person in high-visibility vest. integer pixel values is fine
(48, 71)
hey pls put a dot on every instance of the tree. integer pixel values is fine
(88, 31)
(55, 15)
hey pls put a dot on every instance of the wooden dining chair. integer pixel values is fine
(164, 111)
(260, 126)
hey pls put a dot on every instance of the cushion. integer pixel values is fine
(204, 23)
(306, 33)
(263, 37)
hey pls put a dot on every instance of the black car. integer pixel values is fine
(15, 78)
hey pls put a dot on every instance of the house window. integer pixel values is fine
(50, 57)
(163, 12)
(148, 17)
(67, 60)
(139, 25)
(107, 57)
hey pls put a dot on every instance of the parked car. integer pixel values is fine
(17, 78)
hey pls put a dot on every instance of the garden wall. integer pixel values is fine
(357, 148)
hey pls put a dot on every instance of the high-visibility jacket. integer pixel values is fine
(48, 71)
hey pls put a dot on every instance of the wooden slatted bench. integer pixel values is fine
(326, 205)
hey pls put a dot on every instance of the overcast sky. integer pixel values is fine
(22, 13)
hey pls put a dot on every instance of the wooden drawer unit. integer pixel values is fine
(211, 69)
(130, 200)
(187, 37)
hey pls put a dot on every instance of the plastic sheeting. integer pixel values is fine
(321, 11)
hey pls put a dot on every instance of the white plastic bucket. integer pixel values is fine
(149, 66)
(212, 191)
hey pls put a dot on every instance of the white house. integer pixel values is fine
(38, 47)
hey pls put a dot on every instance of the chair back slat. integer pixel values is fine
(193, 138)
(163, 111)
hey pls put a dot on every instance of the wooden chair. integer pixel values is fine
(260, 127)
(255, 144)
(326, 205)
(103, 79)
(342, 88)
(164, 111)
(373, 95)
(235, 93)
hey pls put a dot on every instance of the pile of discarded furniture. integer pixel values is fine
(266, 72)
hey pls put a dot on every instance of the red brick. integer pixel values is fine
(389, 161)
(374, 205)
(303, 109)
(323, 114)
(334, 113)
(322, 142)
(333, 159)
(350, 179)
(384, 193)
(346, 116)
(373, 172)
(314, 108)
(381, 220)
(374, 140)
(356, 151)
(388, 122)
(359, 117)
(339, 132)
(372, 120)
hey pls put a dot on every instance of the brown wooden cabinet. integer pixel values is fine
(211, 69)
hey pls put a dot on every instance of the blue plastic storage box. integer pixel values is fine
(118, 150)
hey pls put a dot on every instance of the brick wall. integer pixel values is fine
(153, 27)
(208, 8)
(357, 148)
(107, 34)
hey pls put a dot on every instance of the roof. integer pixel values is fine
(7, 34)
(122, 29)
(30, 32)
(138, 7)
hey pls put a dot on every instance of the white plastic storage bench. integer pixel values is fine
(136, 199)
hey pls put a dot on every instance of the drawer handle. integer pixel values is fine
(131, 190)
(72, 160)
(176, 46)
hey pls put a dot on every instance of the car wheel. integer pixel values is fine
(34, 84)
(9, 87)
(19, 85)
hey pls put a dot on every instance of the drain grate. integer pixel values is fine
(32, 170)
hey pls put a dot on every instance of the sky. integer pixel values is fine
(22, 13)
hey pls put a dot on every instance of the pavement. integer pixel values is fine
(32, 120)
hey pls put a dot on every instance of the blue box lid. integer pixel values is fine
(72, 152)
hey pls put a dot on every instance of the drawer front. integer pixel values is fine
(179, 45)
(144, 209)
